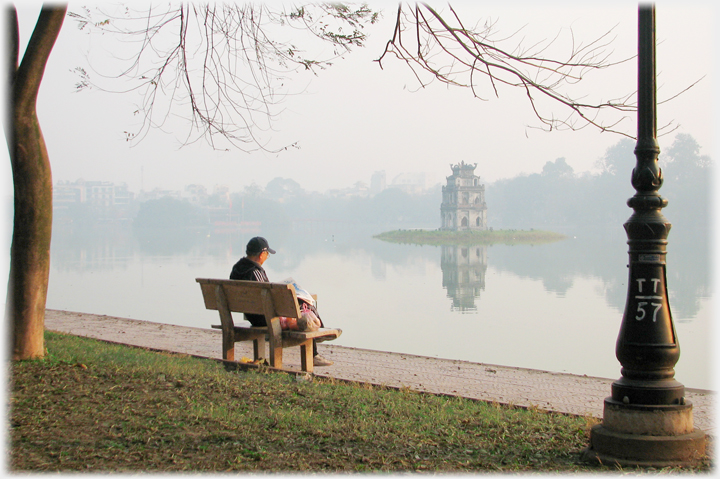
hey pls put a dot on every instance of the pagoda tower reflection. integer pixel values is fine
(463, 268)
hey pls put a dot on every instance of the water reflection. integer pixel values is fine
(168, 241)
(92, 249)
(601, 254)
(573, 291)
(463, 274)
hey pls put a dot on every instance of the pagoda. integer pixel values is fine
(463, 200)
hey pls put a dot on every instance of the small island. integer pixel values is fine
(463, 218)
(488, 237)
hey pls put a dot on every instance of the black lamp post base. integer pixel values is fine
(632, 391)
(646, 435)
(609, 447)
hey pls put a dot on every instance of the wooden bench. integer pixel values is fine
(269, 299)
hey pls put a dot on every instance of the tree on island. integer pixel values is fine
(220, 106)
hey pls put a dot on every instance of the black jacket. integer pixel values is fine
(249, 270)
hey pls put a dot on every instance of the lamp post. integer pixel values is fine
(646, 420)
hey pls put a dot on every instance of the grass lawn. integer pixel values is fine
(99, 407)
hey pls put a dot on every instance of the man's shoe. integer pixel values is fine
(321, 361)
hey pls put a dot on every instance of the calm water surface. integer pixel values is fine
(554, 307)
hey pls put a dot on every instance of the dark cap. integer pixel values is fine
(257, 245)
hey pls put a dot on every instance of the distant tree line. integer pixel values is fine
(557, 198)
(283, 200)
(168, 213)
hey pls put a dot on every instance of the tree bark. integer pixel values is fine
(32, 181)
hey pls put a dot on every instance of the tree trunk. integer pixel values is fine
(32, 181)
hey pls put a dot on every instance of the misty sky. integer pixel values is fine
(354, 118)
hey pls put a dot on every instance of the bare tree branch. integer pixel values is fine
(452, 53)
(222, 66)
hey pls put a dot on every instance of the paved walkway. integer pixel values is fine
(566, 393)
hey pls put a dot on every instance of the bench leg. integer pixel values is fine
(228, 346)
(306, 356)
(276, 357)
(259, 348)
(276, 353)
(274, 332)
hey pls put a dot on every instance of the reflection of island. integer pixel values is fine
(463, 269)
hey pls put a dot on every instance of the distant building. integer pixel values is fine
(101, 196)
(411, 183)
(195, 194)
(378, 182)
(463, 200)
(221, 190)
(358, 190)
(157, 193)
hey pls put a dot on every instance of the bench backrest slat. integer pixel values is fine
(246, 297)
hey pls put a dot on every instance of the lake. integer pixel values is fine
(554, 307)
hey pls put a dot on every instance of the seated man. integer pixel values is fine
(249, 268)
